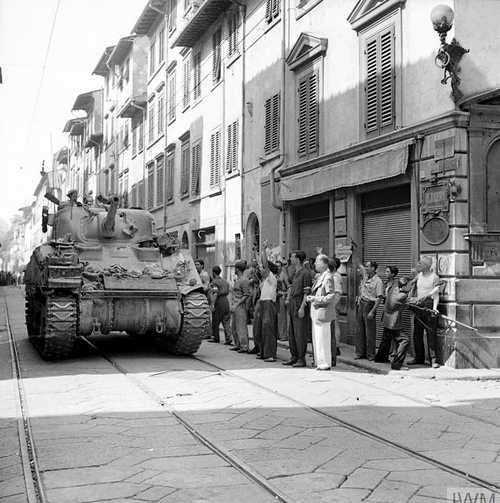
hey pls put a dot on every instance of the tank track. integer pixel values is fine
(57, 336)
(194, 325)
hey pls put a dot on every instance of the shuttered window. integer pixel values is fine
(215, 158)
(151, 136)
(172, 15)
(140, 194)
(216, 56)
(196, 75)
(380, 82)
(161, 113)
(272, 124)
(171, 96)
(170, 175)
(308, 115)
(151, 185)
(232, 147)
(140, 139)
(134, 141)
(186, 82)
(196, 168)
(185, 164)
(152, 56)
(272, 9)
(233, 29)
(160, 169)
(161, 46)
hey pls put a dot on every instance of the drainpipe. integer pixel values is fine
(165, 129)
(243, 14)
(274, 170)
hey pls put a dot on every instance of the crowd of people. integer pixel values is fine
(297, 299)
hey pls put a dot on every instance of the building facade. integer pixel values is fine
(360, 151)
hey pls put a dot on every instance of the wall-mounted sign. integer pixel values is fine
(343, 253)
(435, 199)
(435, 230)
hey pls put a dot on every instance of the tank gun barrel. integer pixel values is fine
(108, 225)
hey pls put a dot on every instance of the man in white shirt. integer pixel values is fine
(426, 301)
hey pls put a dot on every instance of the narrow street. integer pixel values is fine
(125, 423)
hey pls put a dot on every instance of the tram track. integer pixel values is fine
(34, 486)
(33, 483)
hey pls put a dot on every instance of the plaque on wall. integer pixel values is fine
(435, 199)
(435, 230)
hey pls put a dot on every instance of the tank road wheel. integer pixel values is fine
(58, 323)
(194, 325)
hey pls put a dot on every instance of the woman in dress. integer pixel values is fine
(324, 296)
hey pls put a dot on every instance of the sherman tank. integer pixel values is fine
(105, 270)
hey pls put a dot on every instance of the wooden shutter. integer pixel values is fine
(185, 160)
(151, 186)
(276, 8)
(196, 169)
(160, 170)
(216, 51)
(380, 81)
(171, 96)
(187, 78)
(308, 115)
(269, 10)
(272, 124)
(170, 176)
(232, 147)
(215, 144)
(197, 75)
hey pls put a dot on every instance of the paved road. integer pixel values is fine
(336, 436)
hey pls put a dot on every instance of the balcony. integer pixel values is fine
(202, 14)
(91, 103)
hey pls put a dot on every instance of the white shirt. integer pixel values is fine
(268, 287)
(425, 285)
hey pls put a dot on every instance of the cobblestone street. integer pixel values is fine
(226, 427)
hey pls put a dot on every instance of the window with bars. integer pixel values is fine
(272, 10)
(171, 96)
(196, 75)
(216, 56)
(152, 56)
(272, 124)
(170, 175)
(151, 185)
(172, 15)
(160, 169)
(161, 46)
(215, 158)
(196, 168)
(308, 114)
(161, 113)
(186, 87)
(233, 25)
(151, 134)
(232, 147)
(185, 164)
(380, 111)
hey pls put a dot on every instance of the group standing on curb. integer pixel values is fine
(297, 299)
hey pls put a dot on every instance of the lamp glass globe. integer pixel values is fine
(442, 17)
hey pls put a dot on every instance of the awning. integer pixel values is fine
(149, 16)
(199, 21)
(132, 106)
(101, 67)
(377, 165)
(121, 50)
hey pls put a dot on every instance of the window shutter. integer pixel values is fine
(276, 8)
(151, 186)
(170, 176)
(215, 145)
(380, 86)
(229, 159)
(160, 168)
(302, 118)
(387, 75)
(235, 145)
(197, 75)
(268, 126)
(185, 160)
(187, 74)
(313, 114)
(171, 96)
(196, 169)
(272, 124)
(269, 10)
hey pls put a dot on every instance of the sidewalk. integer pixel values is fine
(443, 373)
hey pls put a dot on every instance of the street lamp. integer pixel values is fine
(448, 55)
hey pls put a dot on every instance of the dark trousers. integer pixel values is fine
(265, 328)
(428, 322)
(367, 331)
(221, 314)
(400, 340)
(298, 334)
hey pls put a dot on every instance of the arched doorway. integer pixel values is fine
(252, 236)
(185, 241)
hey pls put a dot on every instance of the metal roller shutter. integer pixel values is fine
(313, 234)
(387, 241)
